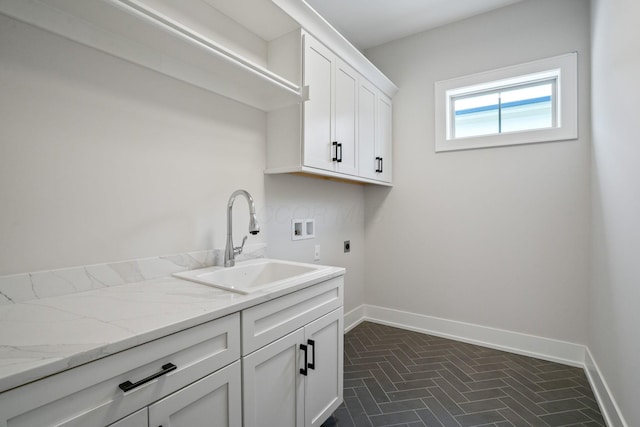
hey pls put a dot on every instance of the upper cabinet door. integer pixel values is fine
(369, 158)
(329, 123)
(374, 133)
(384, 140)
(346, 92)
(318, 150)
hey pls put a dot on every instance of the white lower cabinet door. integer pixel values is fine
(213, 401)
(323, 386)
(137, 419)
(273, 387)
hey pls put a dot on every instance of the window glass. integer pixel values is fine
(527, 108)
(524, 107)
(476, 115)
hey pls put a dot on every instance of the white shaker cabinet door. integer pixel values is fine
(345, 118)
(318, 70)
(213, 401)
(374, 133)
(323, 390)
(273, 387)
(368, 156)
(137, 419)
(384, 142)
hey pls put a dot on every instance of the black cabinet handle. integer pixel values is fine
(128, 385)
(378, 164)
(303, 371)
(312, 365)
(381, 164)
(338, 156)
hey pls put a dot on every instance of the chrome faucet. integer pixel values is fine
(230, 252)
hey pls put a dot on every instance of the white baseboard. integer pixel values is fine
(608, 406)
(353, 318)
(514, 342)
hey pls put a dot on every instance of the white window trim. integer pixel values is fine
(565, 67)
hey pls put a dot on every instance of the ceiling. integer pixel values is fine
(368, 23)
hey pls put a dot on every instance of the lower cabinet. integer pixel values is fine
(297, 379)
(273, 389)
(323, 382)
(213, 401)
(288, 372)
(109, 390)
(137, 419)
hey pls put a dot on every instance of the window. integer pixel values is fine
(523, 107)
(523, 104)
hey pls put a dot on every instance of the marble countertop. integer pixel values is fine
(46, 336)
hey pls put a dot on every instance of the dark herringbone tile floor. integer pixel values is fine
(394, 377)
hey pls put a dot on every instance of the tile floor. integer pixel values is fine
(394, 377)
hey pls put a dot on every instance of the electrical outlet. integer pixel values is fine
(347, 246)
(316, 253)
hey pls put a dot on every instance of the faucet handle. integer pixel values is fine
(238, 250)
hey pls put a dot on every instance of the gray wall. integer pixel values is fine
(614, 308)
(495, 237)
(102, 160)
(338, 210)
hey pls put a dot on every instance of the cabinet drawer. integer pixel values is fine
(271, 320)
(89, 395)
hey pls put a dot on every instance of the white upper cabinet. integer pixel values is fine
(343, 128)
(330, 112)
(374, 133)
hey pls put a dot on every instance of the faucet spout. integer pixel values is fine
(230, 251)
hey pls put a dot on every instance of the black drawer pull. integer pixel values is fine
(312, 365)
(128, 385)
(303, 371)
(340, 157)
(335, 157)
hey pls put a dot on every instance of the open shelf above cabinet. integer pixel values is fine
(136, 32)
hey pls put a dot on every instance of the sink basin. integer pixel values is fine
(252, 276)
